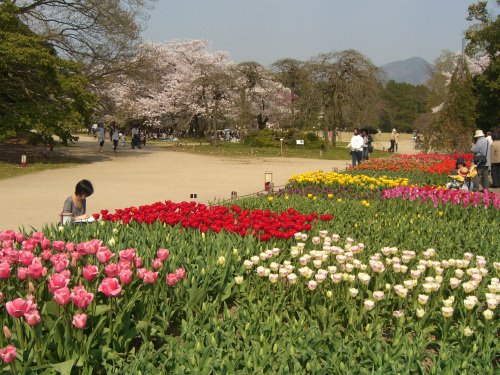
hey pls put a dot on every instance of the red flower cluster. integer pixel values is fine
(427, 163)
(260, 223)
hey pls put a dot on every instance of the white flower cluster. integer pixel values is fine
(401, 276)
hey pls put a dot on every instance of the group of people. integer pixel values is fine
(486, 150)
(361, 146)
(115, 135)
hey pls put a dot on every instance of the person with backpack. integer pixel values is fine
(481, 150)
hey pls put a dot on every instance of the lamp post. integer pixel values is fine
(281, 146)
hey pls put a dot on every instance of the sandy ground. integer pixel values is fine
(135, 177)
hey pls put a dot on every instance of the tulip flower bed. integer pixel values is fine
(262, 223)
(345, 179)
(392, 297)
(267, 284)
(422, 169)
(443, 195)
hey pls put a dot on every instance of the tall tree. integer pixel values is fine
(98, 34)
(484, 42)
(39, 91)
(451, 128)
(347, 85)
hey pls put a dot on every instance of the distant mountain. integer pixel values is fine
(414, 70)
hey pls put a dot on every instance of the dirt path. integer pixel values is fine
(135, 177)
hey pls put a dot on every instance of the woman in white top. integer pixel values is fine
(356, 145)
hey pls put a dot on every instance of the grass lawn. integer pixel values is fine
(241, 150)
(10, 159)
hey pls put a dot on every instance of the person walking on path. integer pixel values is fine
(135, 137)
(481, 150)
(101, 136)
(115, 135)
(495, 159)
(356, 145)
(394, 141)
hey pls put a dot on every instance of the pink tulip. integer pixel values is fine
(58, 281)
(163, 254)
(111, 270)
(157, 263)
(22, 273)
(110, 287)
(8, 354)
(62, 296)
(80, 320)
(138, 262)
(66, 274)
(70, 247)
(58, 245)
(92, 246)
(81, 298)
(104, 255)
(90, 272)
(150, 277)
(5, 270)
(127, 254)
(20, 237)
(46, 254)
(60, 262)
(12, 255)
(32, 317)
(140, 273)
(126, 276)
(29, 245)
(124, 265)
(18, 307)
(172, 279)
(45, 243)
(35, 270)
(180, 273)
(26, 257)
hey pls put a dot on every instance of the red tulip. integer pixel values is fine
(8, 354)
(80, 320)
(110, 287)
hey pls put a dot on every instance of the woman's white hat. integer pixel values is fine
(479, 133)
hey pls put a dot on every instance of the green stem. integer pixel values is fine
(38, 345)
(20, 335)
(110, 318)
(13, 368)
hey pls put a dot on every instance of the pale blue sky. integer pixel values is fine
(267, 30)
